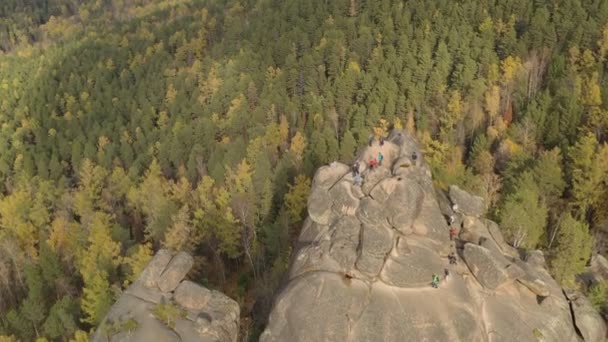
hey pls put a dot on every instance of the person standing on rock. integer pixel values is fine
(435, 282)
(355, 169)
(370, 140)
(452, 233)
(414, 157)
(380, 158)
(452, 258)
(446, 274)
(358, 180)
(381, 141)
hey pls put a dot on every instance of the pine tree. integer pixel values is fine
(572, 250)
(297, 197)
(97, 298)
(347, 147)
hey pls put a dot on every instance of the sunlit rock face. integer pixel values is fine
(367, 255)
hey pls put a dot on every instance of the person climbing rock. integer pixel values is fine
(358, 180)
(355, 168)
(382, 141)
(370, 140)
(371, 164)
(380, 158)
(451, 220)
(446, 274)
(414, 157)
(435, 282)
(452, 233)
(452, 258)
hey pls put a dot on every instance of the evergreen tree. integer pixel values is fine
(572, 250)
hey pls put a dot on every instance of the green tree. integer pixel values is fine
(572, 250)
(523, 215)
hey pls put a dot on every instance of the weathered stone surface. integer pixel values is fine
(373, 177)
(587, 320)
(329, 175)
(319, 206)
(155, 268)
(177, 269)
(220, 313)
(191, 295)
(311, 231)
(467, 204)
(404, 205)
(535, 285)
(152, 295)
(376, 242)
(489, 270)
(344, 202)
(366, 277)
(599, 266)
(536, 258)
(345, 241)
(384, 189)
(414, 269)
(430, 222)
(371, 212)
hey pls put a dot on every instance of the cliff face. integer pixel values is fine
(367, 255)
(190, 312)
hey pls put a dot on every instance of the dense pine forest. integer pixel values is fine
(131, 125)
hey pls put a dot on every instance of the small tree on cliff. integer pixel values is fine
(572, 249)
(523, 215)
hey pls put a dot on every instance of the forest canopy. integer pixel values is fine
(196, 125)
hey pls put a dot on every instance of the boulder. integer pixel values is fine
(191, 295)
(366, 277)
(599, 266)
(155, 268)
(466, 203)
(177, 269)
(319, 206)
(210, 315)
(587, 319)
(489, 270)
(536, 258)
(329, 175)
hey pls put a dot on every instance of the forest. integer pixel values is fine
(132, 125)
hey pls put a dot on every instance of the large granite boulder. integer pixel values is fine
(366, 275)
(587, 319)
(466, 203)
(207, 315)
(487, 267)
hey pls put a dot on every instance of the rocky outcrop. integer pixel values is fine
(202, 314)
(466, 203)
(366, 256)
(590, 325)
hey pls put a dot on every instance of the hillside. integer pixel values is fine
(127, 127)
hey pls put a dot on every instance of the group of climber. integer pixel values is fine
(373, 162)
(452, 259)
